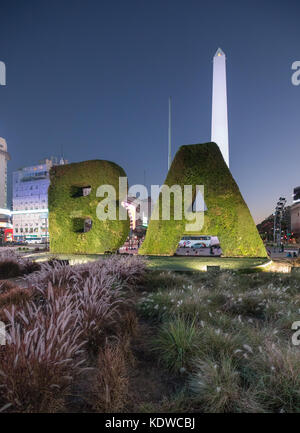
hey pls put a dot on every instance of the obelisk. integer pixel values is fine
(219, 122)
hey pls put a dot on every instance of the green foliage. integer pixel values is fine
(278, 378)
(231, 333)
(68, 208)
(227, 217)
(176, 342)
(217, 388)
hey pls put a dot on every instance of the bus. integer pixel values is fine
(204, 241)
(8, 235)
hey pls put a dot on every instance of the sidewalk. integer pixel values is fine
(276, 254)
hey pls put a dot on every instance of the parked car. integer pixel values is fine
(33, 241)
(199, 245)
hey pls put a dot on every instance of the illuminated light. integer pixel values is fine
(264, 265)
(131, 212)
(5, 212)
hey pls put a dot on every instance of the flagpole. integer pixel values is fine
(169, 133)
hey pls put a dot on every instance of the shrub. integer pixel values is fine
(98, 309)
(156, 305)
(13, 265)
(123, 271)
(111, 384)
(176, 343)
(216, 344)
(63, 312)
(6, 286)
(186, 301)
(10, 269)
(15, 296)
(278, 378)
(39, 362)
(128, 270)
(217, 388)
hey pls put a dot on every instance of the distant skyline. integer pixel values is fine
(94, 78)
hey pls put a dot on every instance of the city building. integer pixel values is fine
(219, 122)
(4, 157)
(30, 201)
(139, 212)
(6, 228)
(5, 214)
(295, 213)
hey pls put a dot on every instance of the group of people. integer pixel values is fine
(132, 244)
(293, 253)
(280, 249)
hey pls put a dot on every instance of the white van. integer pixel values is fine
(206, 241)
(189, 241)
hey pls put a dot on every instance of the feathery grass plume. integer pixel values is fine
(217, 388)
(97, 288)
(42, 356)
(110, 388)
(216, 344)
(63, 311)
(129, 270)
(98, 307)
(126, 271)
(278, 377)
(15, 296)
(6, 286)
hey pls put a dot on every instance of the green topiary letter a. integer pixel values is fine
(227, 215)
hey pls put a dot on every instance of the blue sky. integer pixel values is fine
(93, 78)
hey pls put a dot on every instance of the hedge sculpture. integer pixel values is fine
(71, 211)
(227, 215)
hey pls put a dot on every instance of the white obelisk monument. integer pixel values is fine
(219, 121)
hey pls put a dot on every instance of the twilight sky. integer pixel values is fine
(93, 77)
